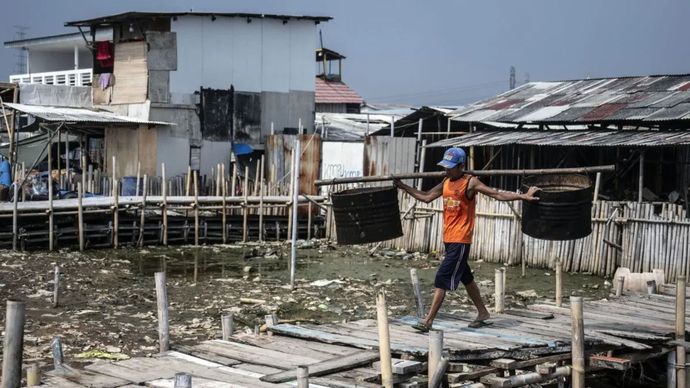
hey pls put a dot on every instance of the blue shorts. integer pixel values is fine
(454, 268)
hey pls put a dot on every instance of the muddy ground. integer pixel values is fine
(108, 302)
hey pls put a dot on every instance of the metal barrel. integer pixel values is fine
(366, 215)
(564, 209)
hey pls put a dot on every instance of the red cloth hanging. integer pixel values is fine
(104, 53)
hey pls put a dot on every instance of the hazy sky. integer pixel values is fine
(438, 52)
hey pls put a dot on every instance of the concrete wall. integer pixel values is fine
(285, 110)
(58, 95)
(264, 55)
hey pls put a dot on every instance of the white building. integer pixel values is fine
(221, 78)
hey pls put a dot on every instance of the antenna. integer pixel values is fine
(20, 34)
(511, 85)
(321, 39)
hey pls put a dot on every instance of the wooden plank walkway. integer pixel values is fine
(343, 355)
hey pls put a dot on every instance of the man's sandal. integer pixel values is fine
(421, 327)
(477, 324)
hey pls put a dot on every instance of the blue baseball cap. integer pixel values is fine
(452, 157)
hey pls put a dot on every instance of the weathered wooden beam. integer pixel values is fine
(326, 367)
(606, 362)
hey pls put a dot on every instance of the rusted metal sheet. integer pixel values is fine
(569, 138)
(388, 155)
(592, 100)
(279, 150)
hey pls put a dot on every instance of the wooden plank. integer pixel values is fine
(130, 72)
(318, 350)
(254, 355)
(88, 378)
(528, 314)
(617, 363)
(53, 381)
(206, 355)
(326, 367)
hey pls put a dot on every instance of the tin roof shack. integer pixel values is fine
(332, 94)
(641, 124)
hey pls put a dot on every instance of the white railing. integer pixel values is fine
(79, 77)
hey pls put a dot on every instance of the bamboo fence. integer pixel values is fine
(640, 236)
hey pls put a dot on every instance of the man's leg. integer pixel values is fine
(475, 295)
(439, 295)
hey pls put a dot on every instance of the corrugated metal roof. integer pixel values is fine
(569, 138)
(128, 16)
(605, 100)
(335, 92)
(79, 115)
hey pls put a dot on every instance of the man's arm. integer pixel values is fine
(424, 196)
(478, 187)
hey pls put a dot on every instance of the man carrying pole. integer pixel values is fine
(459, 191)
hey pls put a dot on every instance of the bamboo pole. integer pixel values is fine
(295, 207)
(228, 326)
(224, 216)
(13, 345)
(309, 210)
(136, 190)
(559, 284)
(188, 181)
(83, 171)
(303, 376)
(417, 292)
(164, 210)
(196, 209)
(33, 376)
(640, 181)
(233, 187)
(578, 342)
(56, 287)
(380, 178)
(261, 201)
(422, 157)
(680, 331)
(498, 295)
(15, 215)
(162, 302)
(116, 207)
(384, 340)
(245, 210)
(597, 186)
(142, 220)
(51, 216)
(182, 380)
(438, 373)
(619, 286)
(80, 218)
(435, 352)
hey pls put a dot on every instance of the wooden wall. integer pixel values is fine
(131, 146)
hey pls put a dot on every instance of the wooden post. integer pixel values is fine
(261, 201)
(56, 349)
(421, 163)
(435, 352)
(136, 190)
(227, 326)
(597, 186)
(384, 340)
(13, 345)
(619, 286)
(189, 181)
(33, 376)
(651, 287)
(559, 284)
(302, 376)
(142, 219)
(15, 216)
(56, 287)
(164, 209)
(578, 342)
(224, 216)
(245, 204)
(196, 209)
(233, 187)
(183, 380)
(498, 295)
(116, 207)
(439, 373)
(89, 177)
(640, 181)
(83, 171)
(80, 218)
(309, 220)
(162, 298)
(295, 207)
(680, 331)
(417, 292)
(51, 217)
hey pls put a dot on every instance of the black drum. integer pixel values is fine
(366, 215)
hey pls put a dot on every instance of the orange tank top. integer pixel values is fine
(458, 211)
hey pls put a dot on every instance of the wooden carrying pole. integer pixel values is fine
(13, 345)
(381, 178)
(578, 342)
(384, 340)
(680, 331)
